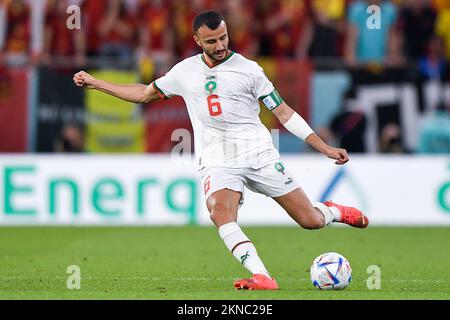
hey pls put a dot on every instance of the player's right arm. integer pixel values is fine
(137, 93)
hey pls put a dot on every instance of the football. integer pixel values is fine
(331, 271)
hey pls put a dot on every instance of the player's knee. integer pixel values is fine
(218, 210)
(215, 205)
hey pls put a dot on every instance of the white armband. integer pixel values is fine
(298, 126)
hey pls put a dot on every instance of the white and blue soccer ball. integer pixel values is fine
(331, 271)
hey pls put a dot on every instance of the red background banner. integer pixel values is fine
(161, 119)
(13, 110)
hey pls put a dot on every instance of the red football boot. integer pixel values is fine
(257, 282)
(349, 215)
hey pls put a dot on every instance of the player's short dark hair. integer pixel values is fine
(211, 19)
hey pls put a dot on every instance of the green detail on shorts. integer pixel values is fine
(245, 257)
(279, 167)
(210, 86)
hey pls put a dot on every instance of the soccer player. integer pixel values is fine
(221, 89)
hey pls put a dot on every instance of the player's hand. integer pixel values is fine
(84, 79)
(338, 154)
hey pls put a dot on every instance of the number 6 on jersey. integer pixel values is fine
(214, 107)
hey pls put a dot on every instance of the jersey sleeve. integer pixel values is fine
(261, 84)
(264, 90)
(168, 85)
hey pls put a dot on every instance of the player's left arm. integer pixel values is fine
(294, 123)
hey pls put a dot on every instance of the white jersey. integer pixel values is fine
(222, 103)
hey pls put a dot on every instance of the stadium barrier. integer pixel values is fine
(154, 190)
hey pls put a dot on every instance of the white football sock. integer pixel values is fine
(331, 214)
(242, 248)
(337, 214)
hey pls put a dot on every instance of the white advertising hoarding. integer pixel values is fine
(154, 190)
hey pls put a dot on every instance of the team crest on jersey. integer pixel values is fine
(211, 85)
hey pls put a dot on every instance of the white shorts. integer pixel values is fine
(272, 180)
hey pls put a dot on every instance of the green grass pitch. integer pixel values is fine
(193, 263)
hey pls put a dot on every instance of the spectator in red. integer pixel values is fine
(117, 32)
(283, 23)
(242, 27)
(92, 13)
(156, 39)
(184, 13)
(61, 45)
(17, 44)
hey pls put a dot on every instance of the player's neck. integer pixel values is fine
(212, 62)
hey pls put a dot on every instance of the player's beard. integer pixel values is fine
(215, 55)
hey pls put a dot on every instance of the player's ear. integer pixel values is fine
(197, 39)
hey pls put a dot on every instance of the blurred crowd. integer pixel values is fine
(160, 30)
(152, 35)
